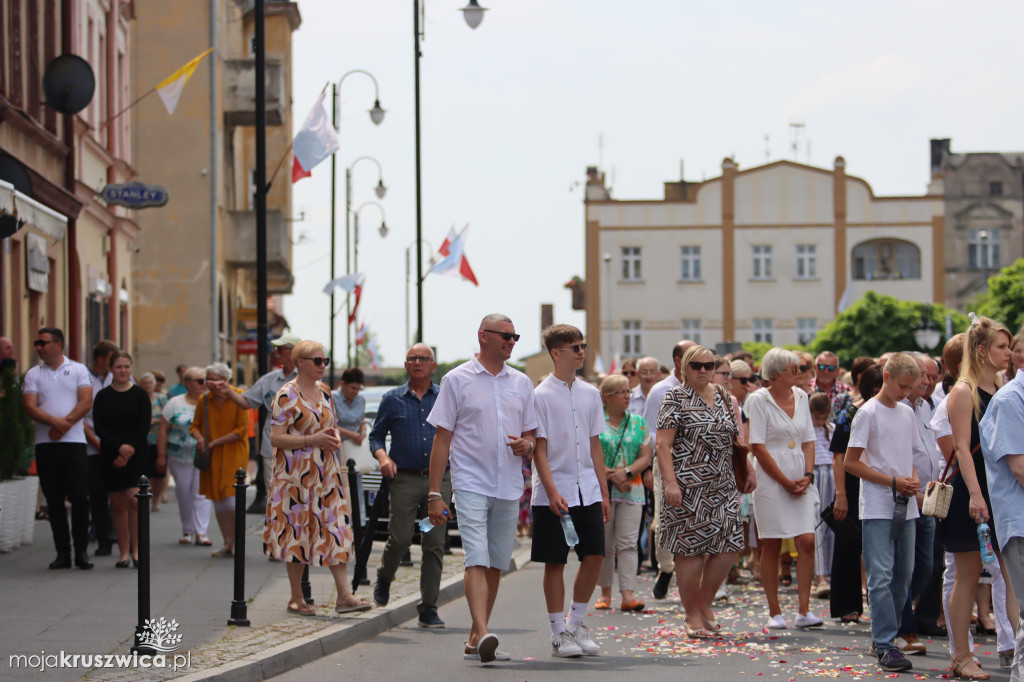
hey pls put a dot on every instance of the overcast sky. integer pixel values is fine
(514, 112)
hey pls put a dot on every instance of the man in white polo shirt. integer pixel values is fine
(58, 394)
(568, 481)
(485, 418)
(666, 562)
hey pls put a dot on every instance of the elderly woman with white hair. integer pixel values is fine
(785, 500)
(221, 427)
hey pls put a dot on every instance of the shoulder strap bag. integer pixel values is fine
(618, 448)
(938, 494)
(739, 450)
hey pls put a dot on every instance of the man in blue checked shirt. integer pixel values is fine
(403, 413)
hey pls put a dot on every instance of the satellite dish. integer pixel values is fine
(69, 84)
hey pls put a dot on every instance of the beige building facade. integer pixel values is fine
(196, 263)
(66, 262)
(762, 254)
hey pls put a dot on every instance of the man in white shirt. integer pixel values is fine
(99, 505)
(57, 394)
(261, 394)
(569, 482)
(662, 556)
(485, 419)
(647, 369)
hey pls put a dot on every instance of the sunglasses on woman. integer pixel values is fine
(804, 368)
(697, 366)
(320, 362)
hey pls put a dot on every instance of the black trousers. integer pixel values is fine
(929, 603)
(64, 474)
(845, 596)
(99, 501)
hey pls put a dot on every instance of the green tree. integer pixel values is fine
(17, 432)
(1004, 300)
(877, 324)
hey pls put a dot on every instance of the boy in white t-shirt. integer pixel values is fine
(881, 453)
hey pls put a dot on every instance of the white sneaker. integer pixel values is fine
(581, 635)
(808, 620)
(777, 623)
(564, 646)
(721, 595)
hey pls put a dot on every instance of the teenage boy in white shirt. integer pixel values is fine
(568, 480)
(881, 454)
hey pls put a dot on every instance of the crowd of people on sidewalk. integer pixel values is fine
(903, 478)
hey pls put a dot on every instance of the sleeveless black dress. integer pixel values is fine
(958, 530)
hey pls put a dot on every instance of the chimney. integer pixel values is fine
(547, 315)
(939, 152)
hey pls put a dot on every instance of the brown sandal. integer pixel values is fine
(960, 669)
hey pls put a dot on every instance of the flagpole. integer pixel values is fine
(419, 188)
(334, 191)
(118, 114)
(261, 188)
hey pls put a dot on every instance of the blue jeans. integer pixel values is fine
(922, 569)
(889, 566)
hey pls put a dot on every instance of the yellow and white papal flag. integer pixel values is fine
(170, 88)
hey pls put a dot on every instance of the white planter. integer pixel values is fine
(10, 522)
(29, 493)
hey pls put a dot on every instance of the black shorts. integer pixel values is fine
(549, 546)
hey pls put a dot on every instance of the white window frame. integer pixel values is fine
(806, 330)
(764, 330)
(762, 262)
(692, 329)
(632, 338)
(689, 258)
(807, 261)
(983, 254)
(631, 270)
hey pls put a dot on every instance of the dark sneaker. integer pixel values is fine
(104, 549)
(382, 592)
(429, 620)
(893, 660)
(661, 585)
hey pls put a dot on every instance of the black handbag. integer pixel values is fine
(847, 530)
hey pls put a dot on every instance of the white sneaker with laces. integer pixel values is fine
(777, 622)
(581, 635)
(564, 646)
(808, 620)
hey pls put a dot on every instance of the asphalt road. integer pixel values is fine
(651, 645)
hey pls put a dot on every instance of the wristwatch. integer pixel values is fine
(629, 474)
(810, 475)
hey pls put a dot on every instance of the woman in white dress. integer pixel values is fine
(785, 500)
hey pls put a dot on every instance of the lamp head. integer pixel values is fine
(380, 189)
(383, 229)
(473, 13)
(377, 113)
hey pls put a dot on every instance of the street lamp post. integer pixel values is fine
(983, 249)
(353, 359)
(408, 276)
(377, 116)
(380, 190)
(473, 13)
(927, 338)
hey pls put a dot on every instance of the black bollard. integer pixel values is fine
(307, 589)
(238, 605)
(142, 645)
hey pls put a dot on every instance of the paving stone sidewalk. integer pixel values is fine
(94, 612)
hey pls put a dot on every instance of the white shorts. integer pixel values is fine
(487, 526)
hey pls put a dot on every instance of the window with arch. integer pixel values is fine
(886, 259)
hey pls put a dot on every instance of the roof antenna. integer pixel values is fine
(797, 127)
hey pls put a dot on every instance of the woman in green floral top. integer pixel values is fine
(627, 453)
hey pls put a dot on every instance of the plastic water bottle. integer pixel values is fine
(425, 525)
(571, 538)
(988, 556)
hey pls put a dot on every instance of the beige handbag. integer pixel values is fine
(938, 494)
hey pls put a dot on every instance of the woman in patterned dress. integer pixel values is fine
(786, 502)
(700, 519)
(307, 513)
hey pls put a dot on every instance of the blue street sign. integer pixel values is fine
(135, 195)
